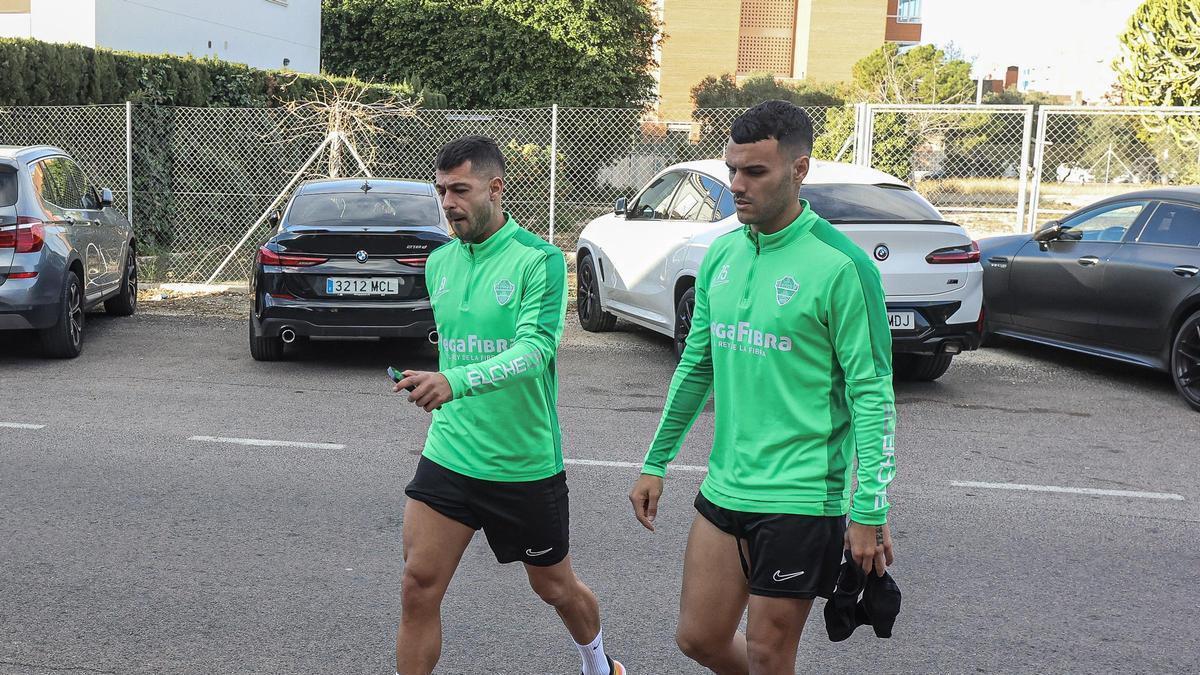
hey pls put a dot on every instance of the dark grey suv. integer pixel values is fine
(63, 249)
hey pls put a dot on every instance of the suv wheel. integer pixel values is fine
(592, 316)
(684, 309)
(921, 367)
(125, 302)
(64, 340)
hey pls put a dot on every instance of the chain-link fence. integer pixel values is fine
(94, 135)
(1086, 154)
(970, 162)
(204, 177)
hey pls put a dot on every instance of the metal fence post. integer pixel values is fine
(553, 166)
(862, 155)
(1023, 191)
(129, 160)
(1039, 157)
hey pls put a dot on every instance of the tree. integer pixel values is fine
(1160, 66)
(499, 53)
(1160, 54)
(923, 74)
(725, 92)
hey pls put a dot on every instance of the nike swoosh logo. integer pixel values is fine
(779, 576)
(530, 552)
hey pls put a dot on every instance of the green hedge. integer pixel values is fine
(42, 73)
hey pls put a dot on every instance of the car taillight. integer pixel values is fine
(23, 275)
(954, 255)
(414, 261)
(268, 257)
(27, 236)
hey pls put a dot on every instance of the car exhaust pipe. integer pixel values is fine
(433, 337)
(952, 348)
(288, 335)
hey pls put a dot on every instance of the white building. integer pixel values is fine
(268, 34)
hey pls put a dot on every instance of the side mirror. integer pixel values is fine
(106, 198)
(619, 207)
(273, 219)
(1049, 232)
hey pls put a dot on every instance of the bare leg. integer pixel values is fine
(433, 547)
(712, 601)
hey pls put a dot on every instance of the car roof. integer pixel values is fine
(820, 171)
(382, 185)
(1187, 193)
(28, 152)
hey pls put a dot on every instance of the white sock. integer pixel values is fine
(594, 660)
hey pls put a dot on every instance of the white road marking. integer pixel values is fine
(1069, 490)
(264, 443)
(16, 425)
(631, 465)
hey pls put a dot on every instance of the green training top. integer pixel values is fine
(499, 310)
(790, 333)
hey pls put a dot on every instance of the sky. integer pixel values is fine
(1061, 46)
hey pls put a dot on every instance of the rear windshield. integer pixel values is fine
(8, 185)
(865, 203)
(352, 209)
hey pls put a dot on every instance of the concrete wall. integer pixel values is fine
(840, 33)
(63, 21)
(259, 33)
(701, 40)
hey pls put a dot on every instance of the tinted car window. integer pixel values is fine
(1173, 224)
(1107, 223)
(87, 197)
(693, 200)
(725, 205)
(652, 203)
(57, 185)
(351, 209)
(865, 203)
(8, 185)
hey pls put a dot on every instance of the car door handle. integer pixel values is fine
(1186, 271)
(1089, 261)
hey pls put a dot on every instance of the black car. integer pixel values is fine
(348, 260)
(1119, 278)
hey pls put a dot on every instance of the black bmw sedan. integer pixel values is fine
(1119, 278)
(347, 260)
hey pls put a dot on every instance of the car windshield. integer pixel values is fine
(8, 185)
(352, 209)
(853, 202)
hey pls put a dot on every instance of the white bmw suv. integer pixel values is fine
(639, 263)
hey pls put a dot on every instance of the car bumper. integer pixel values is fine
(29, 303)
(932, 333)
(315, 318)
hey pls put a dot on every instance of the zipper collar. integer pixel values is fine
(494, 243)
(789, 234)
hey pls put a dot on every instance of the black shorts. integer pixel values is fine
(526, 521)
(785, 556)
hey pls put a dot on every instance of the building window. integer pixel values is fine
(767, 37)
(908, 11)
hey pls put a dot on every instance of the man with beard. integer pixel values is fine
(493, 456)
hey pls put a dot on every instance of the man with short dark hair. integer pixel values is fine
(790, 334)
(493, 456)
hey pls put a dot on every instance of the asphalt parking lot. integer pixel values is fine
(168, 505)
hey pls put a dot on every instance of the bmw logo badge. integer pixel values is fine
(361, 256)
(882, 252)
